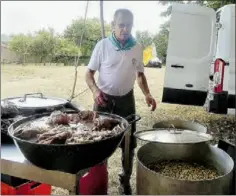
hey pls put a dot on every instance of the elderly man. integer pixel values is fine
(119, 61)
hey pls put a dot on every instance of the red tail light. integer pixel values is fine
(219, 69)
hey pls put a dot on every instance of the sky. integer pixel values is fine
(29, 16)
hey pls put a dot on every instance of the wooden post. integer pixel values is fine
(102, 19)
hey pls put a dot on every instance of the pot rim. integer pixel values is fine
(64, 101)
(189, 181)
(206, 135)
(183, 120)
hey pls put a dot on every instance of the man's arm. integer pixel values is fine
(90, 81)
(98, 95)
(93, 66)
(142, 82)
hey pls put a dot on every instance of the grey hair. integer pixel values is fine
(122, 11)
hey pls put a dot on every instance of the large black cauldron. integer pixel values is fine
(69, 158)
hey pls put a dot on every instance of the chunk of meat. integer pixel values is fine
(51, 132)
(48, 135)
(63, 119)
(88, 116)
(59, 138)
(74, 118)
(80, 140)
(27, 133)
(59, 118)
(107, 124)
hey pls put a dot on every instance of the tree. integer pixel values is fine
(43, 44)
(144, 38)
(21, 44)
(161, 40)
(65, 50)
(92, 33)
(65, 47)
(218, 4)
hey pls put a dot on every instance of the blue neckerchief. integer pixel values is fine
(131, 42)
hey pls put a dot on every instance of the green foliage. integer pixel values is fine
(218, 4)
(65, 51)
(65, 47)
(43, 44)
(144, 38)
(21, 44)
(91, 34)
(161, 41)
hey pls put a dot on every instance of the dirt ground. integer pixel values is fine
(16, 80)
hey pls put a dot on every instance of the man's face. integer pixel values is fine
(123, 26)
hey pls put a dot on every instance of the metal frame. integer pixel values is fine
(28, 171)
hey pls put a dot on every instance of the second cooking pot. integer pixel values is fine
(36, 103)
(181, 144)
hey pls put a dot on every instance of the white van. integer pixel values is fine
(200, 63)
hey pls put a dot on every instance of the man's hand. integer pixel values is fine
(151, 102)
(142, 82)
(99, 97)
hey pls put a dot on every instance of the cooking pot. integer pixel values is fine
(36, 103)
(15, 108)
(183, 145)
(181, 124)
(149, 182)
(70, 158)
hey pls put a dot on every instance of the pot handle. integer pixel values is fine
(25, 96)
(133, 118)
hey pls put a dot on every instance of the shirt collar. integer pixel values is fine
(130, 43)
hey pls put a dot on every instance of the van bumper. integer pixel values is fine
(219, 103)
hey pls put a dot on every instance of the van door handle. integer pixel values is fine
(177, 66)
(189, 85)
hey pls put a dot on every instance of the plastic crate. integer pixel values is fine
(28, 188)
(12, 181)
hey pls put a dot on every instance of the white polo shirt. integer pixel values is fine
(117, 69)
